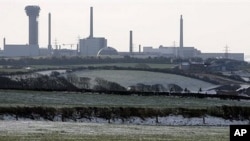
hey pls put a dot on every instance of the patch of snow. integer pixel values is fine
(7, 117)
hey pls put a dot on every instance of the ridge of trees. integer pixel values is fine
(83, 60)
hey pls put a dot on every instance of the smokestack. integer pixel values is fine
(181, 32)
(49, 34)
(4, 42)
(33, 13)
(131, 41)
(139, 48)
(91, 23)
(77, 49)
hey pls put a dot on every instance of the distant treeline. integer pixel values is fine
(75, 60)
(84, 60)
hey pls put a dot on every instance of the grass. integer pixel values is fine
(15, 98)
(45, 131)
(5, 70)
(69, 131)
(129, 77)
(58, 131)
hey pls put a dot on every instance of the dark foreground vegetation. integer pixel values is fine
(77, 60)
(55, 83)
(123, 113)
(44, 63)
(39, 83)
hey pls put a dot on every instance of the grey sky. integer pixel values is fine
(209, 25)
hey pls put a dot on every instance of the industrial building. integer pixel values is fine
(90, 46)
(233, 56)
(181, 51)
(97, 46)
(186, 52)
(20, 50)
(31, 49)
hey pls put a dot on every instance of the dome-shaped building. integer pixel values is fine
(107, 51)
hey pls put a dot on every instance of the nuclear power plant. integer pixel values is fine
(185, 51)
(91, 45)
(31, 49)
(171, 51)
(98, 46)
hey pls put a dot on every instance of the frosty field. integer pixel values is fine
(70, 99)
(26, 129)
(128, 77)
(46, 131)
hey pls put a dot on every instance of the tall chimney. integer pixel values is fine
(139, 48)
(181, 32)
(4, 42)
(91, 23)
(49, 34)
(131, 41)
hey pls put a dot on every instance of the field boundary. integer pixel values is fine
(122, 114)
(138, 93)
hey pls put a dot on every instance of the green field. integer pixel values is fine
(64, 99)
(21, 130)
(58, 131)
(128, 77)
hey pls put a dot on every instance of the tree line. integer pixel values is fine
(75, 60)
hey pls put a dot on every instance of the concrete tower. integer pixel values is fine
(131, 41)
(91, 23)
(33, 13)
(49, 34)
(181, 32)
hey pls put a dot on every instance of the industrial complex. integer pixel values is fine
(98, 46)
(32, 49)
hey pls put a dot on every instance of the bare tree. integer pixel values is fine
(72, 78)
(84, 82)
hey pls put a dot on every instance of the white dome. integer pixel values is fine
(107, 51)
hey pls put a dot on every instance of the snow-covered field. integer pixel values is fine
(43, 130)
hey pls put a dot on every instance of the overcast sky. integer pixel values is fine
(209, 25)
